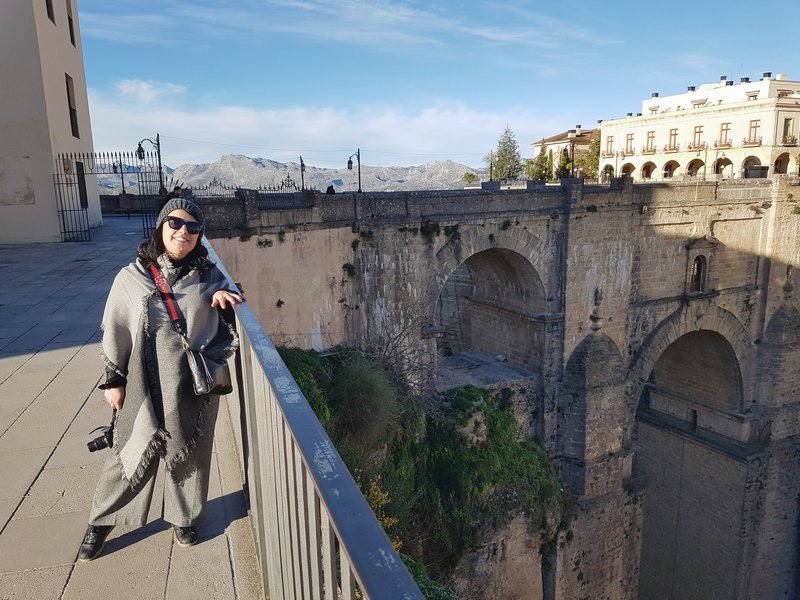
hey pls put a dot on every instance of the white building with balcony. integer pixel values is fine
(723, 130)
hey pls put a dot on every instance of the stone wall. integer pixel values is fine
(588, 288)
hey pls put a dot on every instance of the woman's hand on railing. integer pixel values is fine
(223, 298)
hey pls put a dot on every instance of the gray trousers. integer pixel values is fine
(115, 503)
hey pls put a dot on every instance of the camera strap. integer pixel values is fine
(174, 312)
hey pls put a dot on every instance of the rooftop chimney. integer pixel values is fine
(654, 95)
(577, 130)
(638, 114)
(690, 88)
(767, 75)
(630, 114)
(744, 80)
(729, 82)
(722, 78)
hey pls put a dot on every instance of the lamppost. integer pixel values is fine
(140, 155)
(118, 164)
(571, 134)
(302, 174)
(357, 154)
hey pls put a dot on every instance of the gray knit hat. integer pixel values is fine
(184, 204)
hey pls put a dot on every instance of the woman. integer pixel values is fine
(148, 383)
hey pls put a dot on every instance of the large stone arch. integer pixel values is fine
(691, 450)
(475, 239)
(696, 316)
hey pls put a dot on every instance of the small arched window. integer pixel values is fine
(698, 275)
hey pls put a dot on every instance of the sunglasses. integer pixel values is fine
(192, 227)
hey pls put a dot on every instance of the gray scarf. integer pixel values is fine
(161, 415)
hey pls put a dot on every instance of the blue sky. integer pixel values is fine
(406, 81)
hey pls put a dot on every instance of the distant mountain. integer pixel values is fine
(243, 171)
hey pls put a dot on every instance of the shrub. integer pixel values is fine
(364, 401)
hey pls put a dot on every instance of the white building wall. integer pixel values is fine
(768, 101)
(34, 117)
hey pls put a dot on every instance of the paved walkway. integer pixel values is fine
(51, 303)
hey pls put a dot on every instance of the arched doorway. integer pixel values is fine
(694, 167)
(627, 170)
(781, 165)
(608, 172)
(723, 166)
(670, 168)
(647, 170)
(692, 508)
(751, 167)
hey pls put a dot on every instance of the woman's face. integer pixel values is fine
(178, 243)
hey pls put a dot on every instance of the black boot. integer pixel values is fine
(186, 536)
(93, 541)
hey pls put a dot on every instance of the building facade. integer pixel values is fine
(44, 111)
(717, 130)
(573, 144)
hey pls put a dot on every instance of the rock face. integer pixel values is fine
(507, 567)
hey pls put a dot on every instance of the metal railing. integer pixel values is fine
(315, 534)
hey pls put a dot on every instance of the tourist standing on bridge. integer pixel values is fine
(149, 384)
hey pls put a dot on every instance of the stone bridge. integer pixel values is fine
(655, 327)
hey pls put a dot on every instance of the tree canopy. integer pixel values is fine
(506, 161)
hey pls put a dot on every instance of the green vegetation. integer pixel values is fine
(267, 243)
(354, 244)
(434, 478)
(537, 169)
(367, 235)
(469, 177)
(451, 231)
(506, 162)
(429, 228)
(349, 270)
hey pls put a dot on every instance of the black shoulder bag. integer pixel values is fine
(209, 375)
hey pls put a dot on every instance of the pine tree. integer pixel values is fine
(550, 166)
(538, 168)
(507, 163)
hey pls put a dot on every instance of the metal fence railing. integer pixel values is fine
(315, 534)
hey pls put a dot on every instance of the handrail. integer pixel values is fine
(315, 534)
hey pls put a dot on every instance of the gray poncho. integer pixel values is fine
(161, 415)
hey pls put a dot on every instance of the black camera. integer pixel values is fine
(104, 441)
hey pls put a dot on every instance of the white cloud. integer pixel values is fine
(325, 136)
(139, 91)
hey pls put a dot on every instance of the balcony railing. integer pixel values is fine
(789, 140)
(315, 534)
(723, 144)
(696, 146)
(672, 148)
(608, 154)
(751, 141)
(649, 150)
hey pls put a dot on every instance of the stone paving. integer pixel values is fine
(51, 303)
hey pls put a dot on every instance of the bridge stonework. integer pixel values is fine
(658, 324)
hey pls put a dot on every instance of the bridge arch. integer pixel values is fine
(687, 428)
(696, 316)
(492, 296)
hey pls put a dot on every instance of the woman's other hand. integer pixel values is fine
(225, 298)
(115, 397)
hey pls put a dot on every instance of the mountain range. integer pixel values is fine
(243, 171)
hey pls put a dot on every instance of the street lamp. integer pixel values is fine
(572, 134)
(140, 155)
(357, 154)
(302, 173)
(118, 164)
